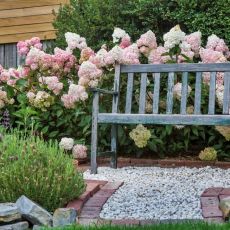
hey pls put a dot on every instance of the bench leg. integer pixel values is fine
(113, 162)
(94, 141)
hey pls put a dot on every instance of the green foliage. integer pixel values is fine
(37, 169)
(96, 19)
(170, 226)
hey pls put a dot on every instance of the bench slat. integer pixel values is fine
(129, 93)
(163, 119)
(156, 92)
(169, 106)
(164, 68)
(116, 88)
(226, 99)
(212, 93)
(142, 99)
(184, 93)
(198, 93)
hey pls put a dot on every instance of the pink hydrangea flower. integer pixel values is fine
(130, 55)
(79, 151)
(194, 40)
(86, 53)
(75, 41)
(216, 44)
(24, 47)
(89, 74)
(147, 42)
(125, 42)
(156, 56)
(52, 83)
(76, 93)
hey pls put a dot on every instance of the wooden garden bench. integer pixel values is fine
(127, 117)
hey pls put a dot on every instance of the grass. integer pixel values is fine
(178, 226)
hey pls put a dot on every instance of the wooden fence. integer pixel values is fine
(23, 19)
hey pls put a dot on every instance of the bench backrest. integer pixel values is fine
(156, 71)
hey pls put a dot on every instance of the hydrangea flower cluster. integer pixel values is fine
(118, 34)
(174, 37)
(41, 100)
(140, 135)
(23, 47)
(76, 93)
(52, 83)
(177, 90)
(208, 154)
(66, 143)
(147, 42)
(4, 99)
(79, 151)
(224, 131)
(75, 41)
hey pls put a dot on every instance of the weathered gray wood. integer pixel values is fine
(169, 105)
(142, 99)
(164, 119)
(226, 99)
(103, 91)
(94, 133)
(156, 92)
(10, 55)
(165, 68)
(116, 88)
(184, 93)
(197, 101)
(129, 93)
(212, 93)
(2, 54)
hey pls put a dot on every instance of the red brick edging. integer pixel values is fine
(210, 200)
(90, 203)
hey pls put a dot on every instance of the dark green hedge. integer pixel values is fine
(96, 19)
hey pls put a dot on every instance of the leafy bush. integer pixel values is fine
(37, 169)
(96, 19)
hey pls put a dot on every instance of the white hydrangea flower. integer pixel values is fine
(174, 37)
(118, 33)
(66, 143)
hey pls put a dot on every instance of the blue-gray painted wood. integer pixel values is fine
(156, 93)
(226, 99)
(169, 103)
(2, 53)
(94, 136)
(184, 93)
(197, 101)
(164, 119)
(165, 68)
(142, 99)
(129, 93)
(103, 91)
(116, 88)
(11, 57)
(212, 93)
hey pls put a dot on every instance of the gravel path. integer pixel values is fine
(159, 193)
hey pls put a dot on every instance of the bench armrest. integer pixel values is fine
(104, 91)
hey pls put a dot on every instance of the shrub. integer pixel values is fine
(96, 19)
(37, 169)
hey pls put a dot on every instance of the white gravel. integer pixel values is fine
(158, 193)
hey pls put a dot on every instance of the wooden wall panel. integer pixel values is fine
(23, 19)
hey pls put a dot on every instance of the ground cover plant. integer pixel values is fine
(179, 226)
(51, 90)
(37, 169)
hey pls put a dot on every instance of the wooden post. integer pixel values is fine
(94, 133)
(116, 88)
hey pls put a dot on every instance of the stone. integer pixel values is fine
(16, 226)
(33, 212)
(37, 227)
(9, 212)
(225, 207)
(64, 216)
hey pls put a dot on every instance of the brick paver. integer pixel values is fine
(125, 222)
(211, 192)
(209, 201)
(211, 211)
